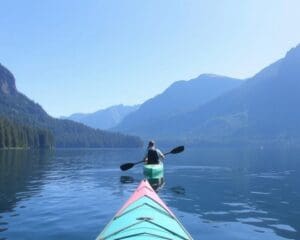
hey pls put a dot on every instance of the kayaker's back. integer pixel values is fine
(152, 156)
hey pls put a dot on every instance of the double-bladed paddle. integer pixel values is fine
(127, 166)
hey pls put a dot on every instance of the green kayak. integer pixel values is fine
(144, 216)
(154, 171)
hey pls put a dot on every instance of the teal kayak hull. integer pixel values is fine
(154, 171)
(144, 216)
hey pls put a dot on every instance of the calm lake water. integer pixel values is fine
(216, 193)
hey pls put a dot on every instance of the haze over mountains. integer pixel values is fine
(208, 109)
(264, 108)
(181, 97)
(18, 109)
(104, 118)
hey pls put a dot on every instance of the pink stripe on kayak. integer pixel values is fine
(144, 189)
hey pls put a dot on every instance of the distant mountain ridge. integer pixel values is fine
(264, 109)
(209, 109)
(181, 97)
(17, 107)
(104, 118)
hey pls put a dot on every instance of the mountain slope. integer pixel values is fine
(17, 107)
(264, 108)
(180, 97)
(14, 135)
(105, 118)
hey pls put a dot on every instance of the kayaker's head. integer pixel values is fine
(151, 144)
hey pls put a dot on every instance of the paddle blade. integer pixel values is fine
(177, 150)
(126, 166)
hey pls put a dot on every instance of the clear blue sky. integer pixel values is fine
(81, 56)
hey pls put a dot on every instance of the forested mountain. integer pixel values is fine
(105, 118)
(16, 107)
(263, 109)
(14, 135)
(181, 97)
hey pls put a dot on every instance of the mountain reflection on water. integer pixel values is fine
(216, 193)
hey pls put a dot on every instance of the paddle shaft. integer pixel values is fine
(127, 166)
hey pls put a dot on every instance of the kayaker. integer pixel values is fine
(153, 154)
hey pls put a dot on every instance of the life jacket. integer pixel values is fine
(153, 157)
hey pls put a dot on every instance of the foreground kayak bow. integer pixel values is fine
(144, 216)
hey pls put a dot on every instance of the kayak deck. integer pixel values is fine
(144, 216)
(154, 170)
